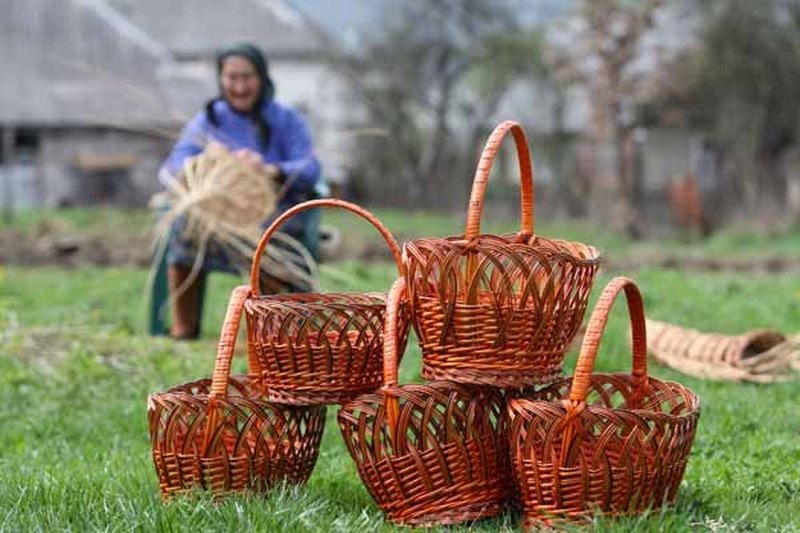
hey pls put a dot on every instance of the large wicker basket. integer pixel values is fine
(613, 443)
(223, 436)
(318, 348)
(428, 454)
(499, 310)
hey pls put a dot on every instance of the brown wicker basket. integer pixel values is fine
(498, 310)
(318, 348)
(428, 454)
(613, 443)
(222, 435)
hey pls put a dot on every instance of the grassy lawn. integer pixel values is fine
(738, 242)
(75, 370)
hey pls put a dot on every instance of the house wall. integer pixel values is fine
(668, 153)
(62, 181)
(321, 94)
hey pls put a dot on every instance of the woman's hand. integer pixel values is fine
(249, 157)
(254, 160)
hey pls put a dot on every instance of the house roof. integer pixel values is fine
(196, 29)
(121, 62)
(77, 62)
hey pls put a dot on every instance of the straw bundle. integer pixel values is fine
(759, 356)
(225, 200)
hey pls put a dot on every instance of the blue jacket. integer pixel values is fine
(289, 146)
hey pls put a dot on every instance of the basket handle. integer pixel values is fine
(227, 342)
(393, 302)
(481, 179)
(311, 204)
(594, 332)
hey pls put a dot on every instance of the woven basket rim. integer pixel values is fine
(366, 299)
(502, 240)
(240, 383)
(689, 394)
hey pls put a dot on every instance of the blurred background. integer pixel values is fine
(664, 132)
(654, 116)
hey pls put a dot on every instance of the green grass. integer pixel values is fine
(75, 370)
(742, 241)
(85, 218)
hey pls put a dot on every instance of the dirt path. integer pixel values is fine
(73, 249)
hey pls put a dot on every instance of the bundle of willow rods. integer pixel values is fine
(760, 356)
(225, 201)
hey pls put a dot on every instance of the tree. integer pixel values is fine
(744, 90)
(431, 77)
(597, 53)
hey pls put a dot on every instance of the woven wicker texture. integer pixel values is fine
(498, 310)
(318, 348)
(221, 435)
(428, 454)
(760, 356)
(613, 443)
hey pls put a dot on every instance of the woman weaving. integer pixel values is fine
(264, 134)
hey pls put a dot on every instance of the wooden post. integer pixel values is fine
(8, 159)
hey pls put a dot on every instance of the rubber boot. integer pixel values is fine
(186, 304)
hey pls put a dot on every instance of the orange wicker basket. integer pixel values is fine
(222, 435)
(613, 443)
(318, 348)
(428, 454)
(498, 310)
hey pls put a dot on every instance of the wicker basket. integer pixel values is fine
(428, 454)
(222, 435)
(614, 443)
(498, 310)
(318, 348)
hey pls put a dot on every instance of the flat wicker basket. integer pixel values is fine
(318, 348)
(223, 436)
(611, 443)
(498, 310)
(428, 454)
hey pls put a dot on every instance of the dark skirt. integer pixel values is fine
(181, 251)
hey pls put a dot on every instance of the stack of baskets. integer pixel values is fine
(494, 315)
(304, 351)
(223, 435)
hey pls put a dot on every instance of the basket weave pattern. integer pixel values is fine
(318, 348)
(616, 443)
(428, 454)
(527, 309)
(221, 435)
(257, 445)
(498, 310)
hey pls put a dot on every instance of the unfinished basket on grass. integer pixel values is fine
(428, 454)
(613, 443)
(223, 436)
(318, 348)
(499, 310)
(760, 356)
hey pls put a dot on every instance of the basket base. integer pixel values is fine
(442, 513)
